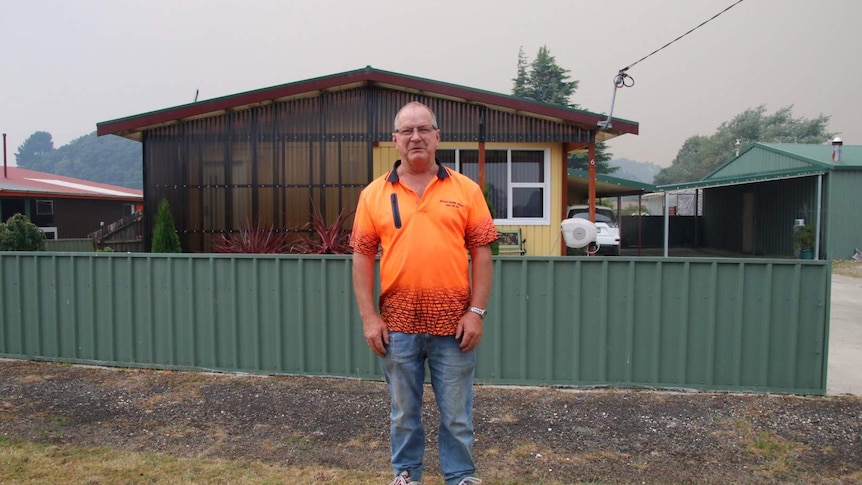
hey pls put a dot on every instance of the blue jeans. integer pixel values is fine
(452, 380)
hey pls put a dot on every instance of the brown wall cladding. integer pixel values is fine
(272, 164)
(76, 218)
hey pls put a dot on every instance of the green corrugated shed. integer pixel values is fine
(752, 201)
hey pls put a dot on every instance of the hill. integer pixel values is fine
(631, 170)
(109, 159)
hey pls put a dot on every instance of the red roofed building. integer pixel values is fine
(64, 207)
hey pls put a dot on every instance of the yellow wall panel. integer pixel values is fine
(542, 240)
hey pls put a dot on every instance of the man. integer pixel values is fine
(426, 218)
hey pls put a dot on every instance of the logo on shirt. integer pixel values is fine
(452, 203)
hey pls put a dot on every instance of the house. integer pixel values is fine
(64, 207)
(752, 203)
(269, 156)
(685, 202)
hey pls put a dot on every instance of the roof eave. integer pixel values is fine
(132, 126)
(609, 185)
(59, 195)
(743, 179)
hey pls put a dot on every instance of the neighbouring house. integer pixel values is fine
(753, 203)
(64, 207)
(269, 156)
(686, 202)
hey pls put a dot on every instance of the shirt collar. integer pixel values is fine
(442, 173)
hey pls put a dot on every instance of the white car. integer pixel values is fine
(607, 227)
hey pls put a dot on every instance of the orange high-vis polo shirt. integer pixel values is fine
(424, 280)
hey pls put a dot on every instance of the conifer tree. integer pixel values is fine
(521, 87)
(547, 82)
(165, 238)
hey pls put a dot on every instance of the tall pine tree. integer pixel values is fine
(547, 82)
(522, 81)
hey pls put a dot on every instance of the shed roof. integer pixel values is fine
(763, 162)
(21, 182)
(132, 126)
(607, 185)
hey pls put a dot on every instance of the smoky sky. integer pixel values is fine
(69, 65)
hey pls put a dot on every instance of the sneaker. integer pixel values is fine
(403, 478)
(469, 480)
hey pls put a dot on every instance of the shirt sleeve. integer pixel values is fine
(364, 238)
(480, 226)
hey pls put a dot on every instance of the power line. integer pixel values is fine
(623, 80)
(680, 37)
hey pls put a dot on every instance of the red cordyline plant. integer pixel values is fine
(256, 239)
(325, 239)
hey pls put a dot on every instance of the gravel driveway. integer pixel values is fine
(524, 435)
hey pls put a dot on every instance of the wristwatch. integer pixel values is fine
(478, 311)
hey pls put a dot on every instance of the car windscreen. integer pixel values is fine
(600, 217)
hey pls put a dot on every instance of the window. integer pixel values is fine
(128, 209)
(50, 232)
(519, 181)
(44, 207)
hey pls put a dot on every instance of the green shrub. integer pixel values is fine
(19, 234)
(165, 238)
(804, 237)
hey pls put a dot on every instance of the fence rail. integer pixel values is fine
(717, 324)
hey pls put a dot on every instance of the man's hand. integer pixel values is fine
(469, 331)
(376, 334)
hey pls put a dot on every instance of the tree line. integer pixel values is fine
(544, 81)
(109, 159)
(118, 161)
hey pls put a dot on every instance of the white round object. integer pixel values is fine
(577, 233)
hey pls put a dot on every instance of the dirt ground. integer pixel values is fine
(523, 435)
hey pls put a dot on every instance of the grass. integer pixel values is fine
(24, 462)
(777, 453)
(27, 463)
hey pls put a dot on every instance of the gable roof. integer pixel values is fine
(762, 162)
(131, 127)
(21, 182)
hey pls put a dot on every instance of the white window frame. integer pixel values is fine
(545, 186)
(50, 230)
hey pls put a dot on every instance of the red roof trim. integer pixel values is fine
(362, 76)
(46, 195)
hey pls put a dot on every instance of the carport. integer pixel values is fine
(752, 203)
(607, 186)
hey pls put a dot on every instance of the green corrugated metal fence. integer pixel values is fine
(78, 245)
(720, 324)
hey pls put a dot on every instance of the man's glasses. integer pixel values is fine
(423, 130)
